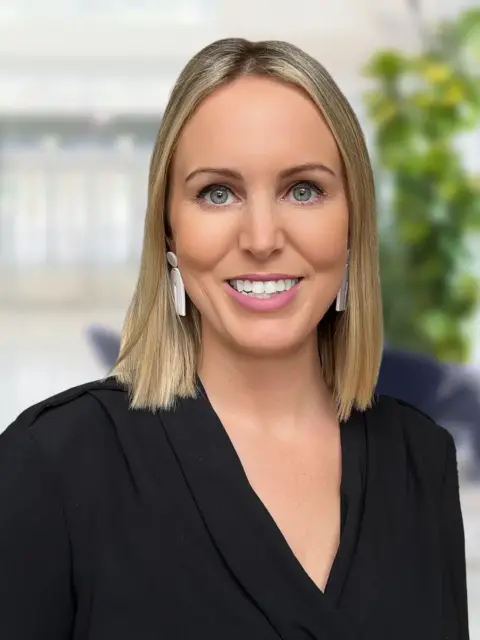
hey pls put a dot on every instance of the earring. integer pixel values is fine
(176, 281)
(341, 299)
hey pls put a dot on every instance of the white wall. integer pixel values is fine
(55, 60)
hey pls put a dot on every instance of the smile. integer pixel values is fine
(263, 289)
(263, 292)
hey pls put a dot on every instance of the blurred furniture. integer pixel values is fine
(447, 392)
(105, 343)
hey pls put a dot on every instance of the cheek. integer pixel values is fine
(202, 239)
(321, 236)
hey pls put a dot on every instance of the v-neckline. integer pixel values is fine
(246, 534)
(333, 582)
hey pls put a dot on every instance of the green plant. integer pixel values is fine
(419, 106)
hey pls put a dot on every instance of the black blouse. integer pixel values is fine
(128, 525)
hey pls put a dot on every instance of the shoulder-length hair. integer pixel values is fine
(159, 350)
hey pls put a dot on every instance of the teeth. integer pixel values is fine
(257, 287)
(269, 287)
(263, 289)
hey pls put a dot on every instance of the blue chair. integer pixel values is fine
(105, 343)
(447, 392)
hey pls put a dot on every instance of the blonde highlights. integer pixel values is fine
(159, 351)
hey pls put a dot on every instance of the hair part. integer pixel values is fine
(159, 350)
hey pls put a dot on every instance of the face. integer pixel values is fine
(259, 216)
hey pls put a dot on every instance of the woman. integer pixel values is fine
(235, 477)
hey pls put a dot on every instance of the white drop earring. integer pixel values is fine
(341, 299)
(176, 282)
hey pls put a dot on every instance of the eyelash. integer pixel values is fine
(211, 187)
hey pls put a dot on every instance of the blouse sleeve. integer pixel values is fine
(36, 601)
(455, 583)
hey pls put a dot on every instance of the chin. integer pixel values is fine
(270, 345)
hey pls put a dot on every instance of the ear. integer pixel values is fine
(170, 244)
(169, 241)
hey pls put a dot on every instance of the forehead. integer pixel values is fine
(255, 121)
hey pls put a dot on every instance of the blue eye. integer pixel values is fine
(306, 193)
(219, 195)
(216, 195)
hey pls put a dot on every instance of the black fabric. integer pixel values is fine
(120, 524)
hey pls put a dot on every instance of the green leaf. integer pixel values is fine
(387, 65)
(469, 33)
(418, 105)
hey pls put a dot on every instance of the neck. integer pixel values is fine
(275, 392)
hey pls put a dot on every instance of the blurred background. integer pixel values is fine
(82, 87)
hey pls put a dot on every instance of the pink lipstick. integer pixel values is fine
(263, 292)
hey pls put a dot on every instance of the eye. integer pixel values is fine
(217, 195)
(306, 193)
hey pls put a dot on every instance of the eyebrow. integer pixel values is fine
(286, 173)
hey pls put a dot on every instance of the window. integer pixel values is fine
(24, 214)
(112, 202)
(68, 222)
(73, 192)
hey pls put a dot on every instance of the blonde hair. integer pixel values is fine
(159, 350)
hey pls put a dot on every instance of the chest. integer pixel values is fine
(178, 537)
(298, 483)
(195, 555)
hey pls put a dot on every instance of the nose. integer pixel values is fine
(262, 233)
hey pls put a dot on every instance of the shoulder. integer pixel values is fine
(425, 446)
(59, 423)
(412, 422)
